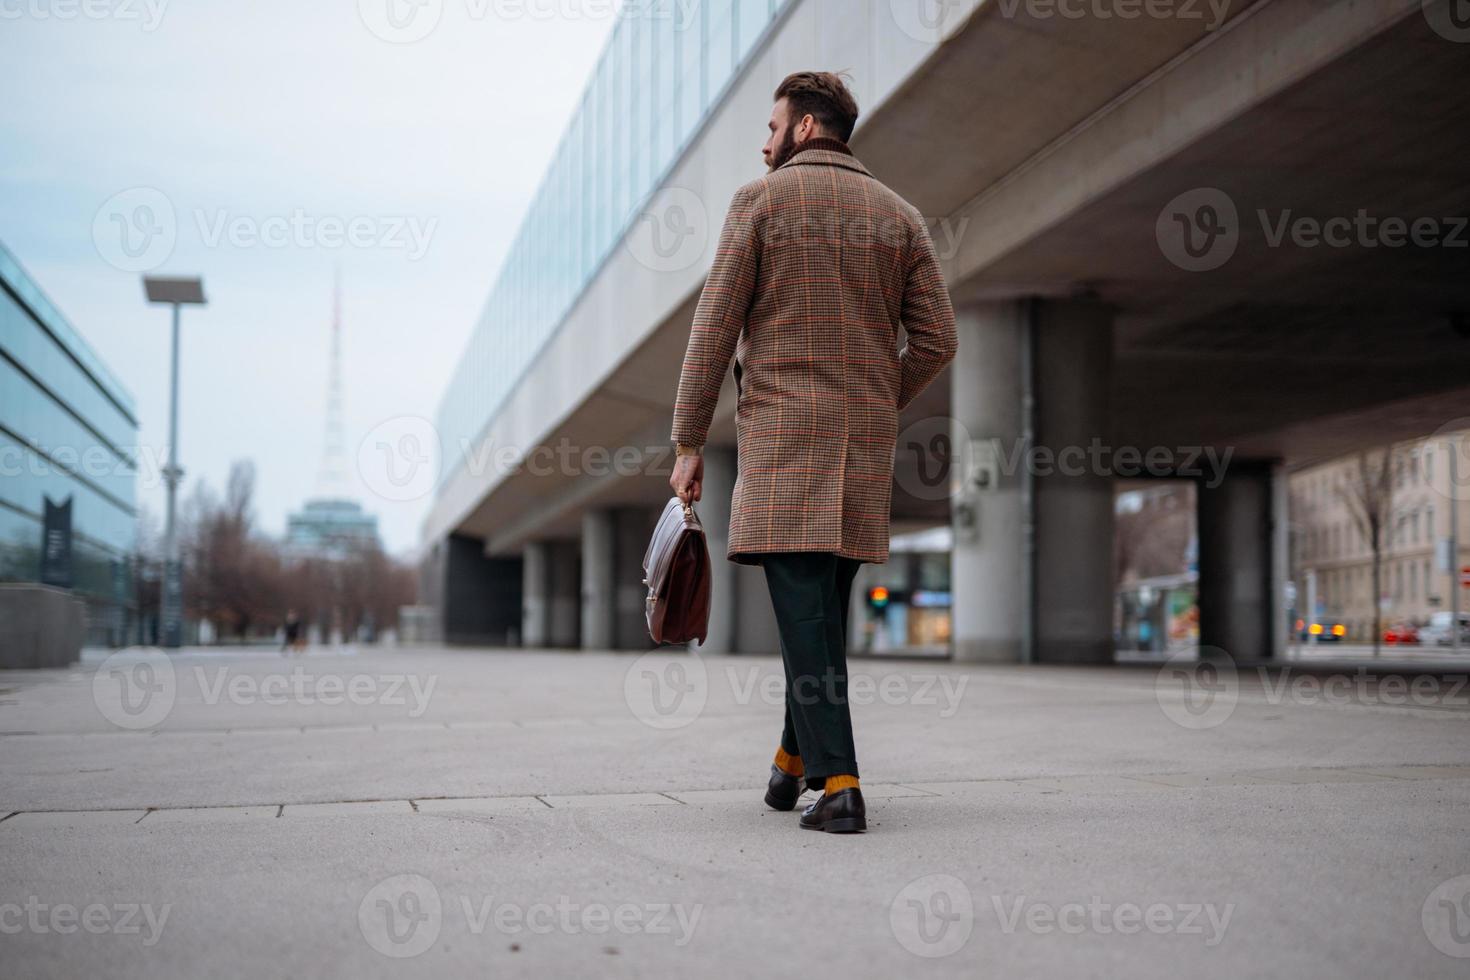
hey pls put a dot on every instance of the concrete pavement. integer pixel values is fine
(446, 813)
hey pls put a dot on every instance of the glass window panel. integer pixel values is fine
(751, 18)
(29, 344)
(719, 39)
(691, 75)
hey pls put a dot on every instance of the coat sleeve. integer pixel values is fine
(718, 320)
(928, 319)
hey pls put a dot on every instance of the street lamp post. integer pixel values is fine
(176, 292)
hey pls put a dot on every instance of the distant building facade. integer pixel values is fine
(68, 469)
(1330, 542)
(330, 529)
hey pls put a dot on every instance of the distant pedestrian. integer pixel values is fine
(293, 632)
(817, 268)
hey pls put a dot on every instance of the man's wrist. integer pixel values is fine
(681, 449)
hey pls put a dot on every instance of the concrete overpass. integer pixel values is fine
(1165, 232)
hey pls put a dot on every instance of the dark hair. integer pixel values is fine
(824, 96)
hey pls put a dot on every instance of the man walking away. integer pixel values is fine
(817, 267)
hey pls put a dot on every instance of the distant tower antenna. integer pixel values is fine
(332, 480)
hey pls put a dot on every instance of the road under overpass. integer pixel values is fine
(1171, 240)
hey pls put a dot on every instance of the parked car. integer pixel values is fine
(1437, 633)
(1401, 634)
(1325, 630)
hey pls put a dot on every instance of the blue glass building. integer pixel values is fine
(68, 432)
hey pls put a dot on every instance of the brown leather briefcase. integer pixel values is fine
(677, 572)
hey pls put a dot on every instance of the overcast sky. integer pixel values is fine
(258, 126)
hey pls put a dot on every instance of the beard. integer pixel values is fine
(783, 150)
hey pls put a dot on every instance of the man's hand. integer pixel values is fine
(687, 479)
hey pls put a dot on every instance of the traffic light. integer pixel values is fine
(878, 598)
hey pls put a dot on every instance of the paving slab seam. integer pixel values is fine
(1161, 781)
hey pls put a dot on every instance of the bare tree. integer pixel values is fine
(1368, 492)
(244, 582)
(1153, 540)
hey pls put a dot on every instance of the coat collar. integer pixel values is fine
(824, 151)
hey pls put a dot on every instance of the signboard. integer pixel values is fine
(56, 544)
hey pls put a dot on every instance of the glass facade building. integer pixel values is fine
(67, 432)
(666, 64)
(330, 529)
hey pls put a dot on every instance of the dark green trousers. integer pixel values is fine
(811, 592)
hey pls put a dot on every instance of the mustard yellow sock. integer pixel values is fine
(836, 784)
(788, 763)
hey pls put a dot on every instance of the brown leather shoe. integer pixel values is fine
(842, 812)
(784, 789)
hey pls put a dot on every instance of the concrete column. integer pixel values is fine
(480, 596)
(563, 589)
(755, 627)
(1236, 554)
(632, 529)
(986, 563)
(535, 607)
(1071, 602)
(1280, 561)
(1074, 495)
(598, 609)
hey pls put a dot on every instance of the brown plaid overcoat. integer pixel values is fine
(817, 266)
